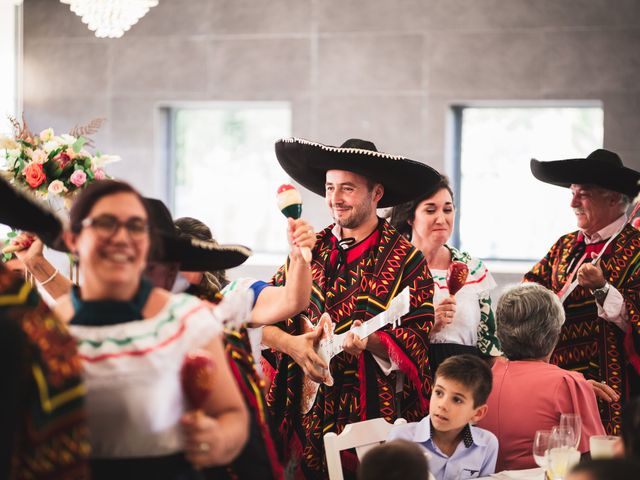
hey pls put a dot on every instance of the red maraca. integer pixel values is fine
(22, 242)
(456, 276)
(290, 204)
(196, 376)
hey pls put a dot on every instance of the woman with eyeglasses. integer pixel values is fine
(132, 339)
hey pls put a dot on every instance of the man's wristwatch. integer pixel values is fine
(601, 293)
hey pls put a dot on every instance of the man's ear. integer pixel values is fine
(614, 198)
(480, 413)
(378, 192)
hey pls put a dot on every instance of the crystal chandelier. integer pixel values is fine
(110, 18)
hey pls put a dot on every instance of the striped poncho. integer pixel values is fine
(356, 284)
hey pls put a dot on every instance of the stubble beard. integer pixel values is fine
(358, 215)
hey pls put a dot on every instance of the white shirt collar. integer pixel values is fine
(606, 232)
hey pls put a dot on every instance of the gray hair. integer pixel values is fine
(529, 318)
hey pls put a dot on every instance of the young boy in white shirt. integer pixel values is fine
(457, 449)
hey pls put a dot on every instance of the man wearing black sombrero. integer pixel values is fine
(44, 431)
(359, 264)
(601, 334)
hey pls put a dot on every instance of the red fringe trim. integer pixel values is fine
(349, 461)
(406, 366)
(268, 371)
(276, 467)
(362, 377)
(296, 452)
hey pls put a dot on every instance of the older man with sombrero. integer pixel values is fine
(359, 264)
(601, 259)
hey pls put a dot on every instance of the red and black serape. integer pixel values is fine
(356, 283)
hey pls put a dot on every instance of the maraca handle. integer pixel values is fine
(12, 248)
(306, 254)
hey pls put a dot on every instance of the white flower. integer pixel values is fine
(51, 145)
(7, 143)
(57, 187)
(13, 155)
(39, 156)
(46, 135)
(102, 160)
(66, 139)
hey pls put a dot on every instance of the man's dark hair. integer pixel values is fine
(394, 460)
(402, 214)
(470, 371)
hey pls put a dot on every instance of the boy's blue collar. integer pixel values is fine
(423, 433)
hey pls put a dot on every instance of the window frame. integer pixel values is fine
(454, 165)
(167, 141)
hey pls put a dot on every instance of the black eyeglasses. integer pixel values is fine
(106, 226)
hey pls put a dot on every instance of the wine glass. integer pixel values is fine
(541, 447)
(562, 452)
(572, 420)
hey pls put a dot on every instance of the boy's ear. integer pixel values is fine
(480, 413)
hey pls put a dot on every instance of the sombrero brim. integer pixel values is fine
(308, 162)
(587, 172)
(19, 210)
(193, 254)
(196, 255)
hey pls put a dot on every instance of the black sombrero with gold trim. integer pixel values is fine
(308, 162)
(193, 255)
(602, 168)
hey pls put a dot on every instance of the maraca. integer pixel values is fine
(196, 376)
(290, 204)
(22, 242)
(456, 276)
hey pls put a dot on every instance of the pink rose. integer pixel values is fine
(78, 178)
(34, 174)
(57, 187)
(99, 174)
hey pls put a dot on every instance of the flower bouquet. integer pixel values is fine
(51, 167)
(49, 163)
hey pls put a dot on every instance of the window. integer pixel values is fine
(504, 212)
(225, 173)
